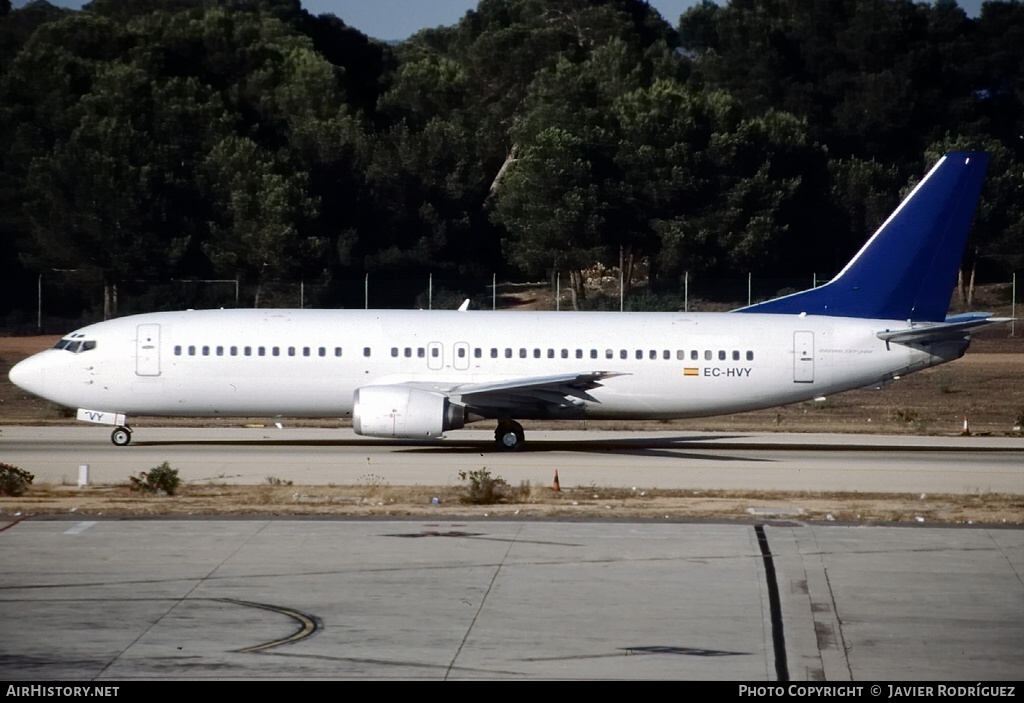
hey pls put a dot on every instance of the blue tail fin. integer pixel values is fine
(907, 270)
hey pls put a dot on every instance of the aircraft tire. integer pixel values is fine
(509, 435)
(121, 436)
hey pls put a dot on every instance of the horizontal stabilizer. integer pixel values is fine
(955, 327)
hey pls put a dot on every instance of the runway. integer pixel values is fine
(741, 461)
(122, 600)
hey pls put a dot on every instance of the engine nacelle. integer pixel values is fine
(400, 411)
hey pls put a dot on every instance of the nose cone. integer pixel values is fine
(28, 375)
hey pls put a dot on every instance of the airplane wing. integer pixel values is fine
(955, 327)
(563, 390)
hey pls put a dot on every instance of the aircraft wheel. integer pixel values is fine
(509, 435)
(121, 436)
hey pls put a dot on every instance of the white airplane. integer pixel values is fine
(418, 374)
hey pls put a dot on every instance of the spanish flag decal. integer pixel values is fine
(691, 371)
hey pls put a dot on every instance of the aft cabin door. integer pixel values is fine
(147, 350)
(803, 357)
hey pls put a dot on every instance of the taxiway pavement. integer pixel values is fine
(698, 460)
(306, 599)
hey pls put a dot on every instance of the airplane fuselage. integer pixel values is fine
(309, 363)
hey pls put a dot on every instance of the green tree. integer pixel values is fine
(259, 204)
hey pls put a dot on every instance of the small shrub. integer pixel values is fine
(483, 489)
(903, 415)
(275, 481)
(14, 481)
(162, 480)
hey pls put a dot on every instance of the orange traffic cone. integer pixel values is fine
(555, 486)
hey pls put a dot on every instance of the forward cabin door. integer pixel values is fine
(803, 357)
(147, 350)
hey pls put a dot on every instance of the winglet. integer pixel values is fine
(907, 270)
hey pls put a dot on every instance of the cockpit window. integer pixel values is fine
(76, 346)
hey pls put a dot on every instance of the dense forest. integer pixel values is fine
(147, 141)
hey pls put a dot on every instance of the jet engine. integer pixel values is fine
(400, 411)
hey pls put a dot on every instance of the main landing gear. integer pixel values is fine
(121, 436)
(509, 435)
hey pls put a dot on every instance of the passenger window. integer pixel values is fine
(421, 352)
(735, 355)
(652, 354)
(206, 350)
(177, 350)
(694, 355)
(750, 356)
(322, 351)
(337, 351)
(667, 355)
(407, 352)
(220, 351)
(262, 351)
(536, 353)
(494, 352)
(707, 355)
(721, 355)
(291, 351)
(680, 354)
(394, 351)
(461, 352)
(435, 352)
(234, 351)
(579, 353)
(551, 353)
(639, 353)
(191, 350)
(565, 353)
(366, 351)
(593, 353)
(478, 352)
(275, 351)
(247, 351)
(508, 353)
(305, 351)
(609, 353)
(623, 354)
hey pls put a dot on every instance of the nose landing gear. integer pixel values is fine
(121, 436)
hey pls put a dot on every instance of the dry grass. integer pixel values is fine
(525, 501)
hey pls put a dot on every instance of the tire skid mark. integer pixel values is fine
(308, 624)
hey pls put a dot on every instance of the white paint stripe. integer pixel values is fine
(79, 528)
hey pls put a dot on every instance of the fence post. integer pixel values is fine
(1013, 305)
